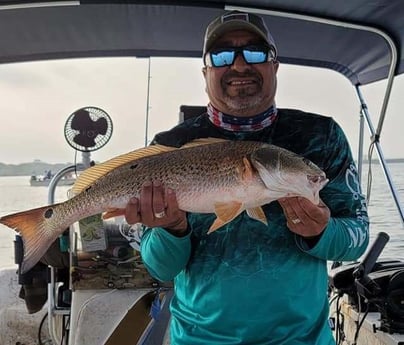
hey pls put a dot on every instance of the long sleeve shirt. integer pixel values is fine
(250, 283)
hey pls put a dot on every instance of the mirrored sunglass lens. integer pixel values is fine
(223, 58)
(254, 56)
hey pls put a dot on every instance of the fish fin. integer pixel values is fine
(35, 236)
(257, 213)
(225, 213)
(247, 172)
(90, 175)
(216, 225)
(113, 212)
(228, 211)
(203, 141)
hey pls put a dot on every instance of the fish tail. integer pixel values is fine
(37, 238)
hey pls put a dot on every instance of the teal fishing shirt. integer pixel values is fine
(248, 283)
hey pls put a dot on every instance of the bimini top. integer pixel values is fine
(309, 35)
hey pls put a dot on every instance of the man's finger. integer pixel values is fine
(132, 215)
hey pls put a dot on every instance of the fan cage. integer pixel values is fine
(99, 139)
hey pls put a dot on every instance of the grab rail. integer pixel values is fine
(53, 308)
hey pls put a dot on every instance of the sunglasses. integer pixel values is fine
(252, 54)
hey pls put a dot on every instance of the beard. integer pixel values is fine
(242, 100)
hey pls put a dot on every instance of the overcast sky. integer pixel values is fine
(38, 97)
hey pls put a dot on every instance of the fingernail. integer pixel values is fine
(157, 184)
(147, 184)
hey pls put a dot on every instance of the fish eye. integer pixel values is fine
(48, 213)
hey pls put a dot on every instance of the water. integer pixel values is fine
(17, 195)
(383, 212)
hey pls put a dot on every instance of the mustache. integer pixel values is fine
(248, 74)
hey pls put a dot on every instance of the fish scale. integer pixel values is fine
(208, 176)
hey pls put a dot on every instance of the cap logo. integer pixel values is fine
(235, 16)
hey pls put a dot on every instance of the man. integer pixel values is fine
(248, 283)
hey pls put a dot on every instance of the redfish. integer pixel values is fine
(208, 176)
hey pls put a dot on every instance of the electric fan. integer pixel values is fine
(88, 129)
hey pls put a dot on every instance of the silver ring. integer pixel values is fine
(296, 221)
(160, 214)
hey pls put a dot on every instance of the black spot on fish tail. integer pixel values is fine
(48, 213)
(134, 166)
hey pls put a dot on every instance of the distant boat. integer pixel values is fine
(43, 181)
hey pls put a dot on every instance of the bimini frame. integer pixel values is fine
(364, 113)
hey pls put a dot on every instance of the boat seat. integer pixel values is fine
(190, 111)
(119, 317)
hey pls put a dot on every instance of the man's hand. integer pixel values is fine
(303, 217)
(157, 207)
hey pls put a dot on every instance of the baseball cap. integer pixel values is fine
(236, 20)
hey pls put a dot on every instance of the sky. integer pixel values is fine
(38, 97)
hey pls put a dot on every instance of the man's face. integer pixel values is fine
(241, 89)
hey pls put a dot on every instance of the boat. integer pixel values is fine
(362, 40)
(44, 181)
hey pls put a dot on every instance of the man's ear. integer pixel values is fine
(204, 71)
(276, 65)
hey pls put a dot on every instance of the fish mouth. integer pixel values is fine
(319, 180)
